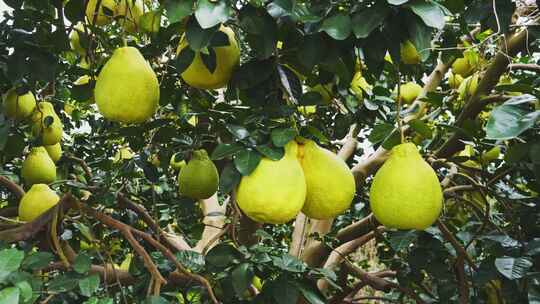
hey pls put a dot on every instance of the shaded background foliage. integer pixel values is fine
(495, 221)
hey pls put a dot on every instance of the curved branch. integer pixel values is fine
(12, 187)
(214, 221)
(524, 66)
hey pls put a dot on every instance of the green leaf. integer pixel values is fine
(513, 268)
(338, 27)
(89, 285)
(400, 240)
(184, 59)
(311, 98)
(237, 131)
(290, 82)
(430, 12)
(397, 2)
(193, 260)
(246, 161)
(512, 118)
(9, 295)
(365, 21)
(210, 14)
(229, 178)
(421, 127)
(37, 260)
(288, 263)
(284, 292)
(82, 263)
(225, 150)
(280, 137)
(380, 132)
(4, 131)
(252, 73)
(155, 300)
(312, 295)
(313, 50)
(177, 10)
(62, 283)
(221, 255)
(197, 37)
(25, 289)
(10, 260)
(242, 276)
(273, 153)
(74, 11)
(209, 60)
(421, 37)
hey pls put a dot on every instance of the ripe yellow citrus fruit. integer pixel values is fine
(54, 151)
(408, 52)
(409, 92)
(37, 201)
(47, 124)
(18, 107)
(38, 167)
(98, 14)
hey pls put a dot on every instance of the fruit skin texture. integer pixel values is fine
(54, 151)
(199, 179)
(330, 185)
(127, 89)
(38, 167)
(101, 17)
(462, 67)
(50, 133)
(405, 192)
(36, 201)
(359, 85)
(454, 80)
(409, 92)
(18, 107)
(75, 39)
(408, 52)
(468, 87)
(275, 191)
(227, 58)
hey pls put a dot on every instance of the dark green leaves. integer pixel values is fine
(82, 263)
(246, 161)
(74, 11)
(338, 27)
(184, 59)
(229, 178)
(197, 36)
(10, 260)
(368, 19)
(400, 240)
(209, 14)
(280, 137)
(513, 268)
(10, 295)
(38, 260)
(89, 285)
(177, 10)
(512, 118)
(221, 255)
(225, 150)
(430, 12)
(242, 276)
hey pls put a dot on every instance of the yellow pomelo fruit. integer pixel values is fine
(197, 74)
(47, 124)
(150, 21)
(454, 80)
(54, 151)
(101, 18)
(468, 151)
(128, 12)
(38, 167)
(468, 87)
(491, 154)
(75, 39)
(359, 85)
(177, 165)
(409, 92)
(462, 67)
(325, 91)
(307, 110)
(408, 52)
(18, 107)
(275, 191)
(406, 193)
(199, 179)
(330, 185)
(37, 201)
(122, 154)
(127, 89)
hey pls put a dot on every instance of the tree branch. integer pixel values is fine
(455, 243)
(214, 221)
(12, 187)
(524, 66)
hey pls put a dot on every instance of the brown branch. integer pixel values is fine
(524, 66)
(451, 190)
(83, 164)
(368, 277)
(455, 243)
(298, 235)
(12, 187)
(107, 273)
(463, 286)
(214, 220)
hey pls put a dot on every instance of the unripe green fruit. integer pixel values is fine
(38, 167)
(199, 179)
(409, 92)
(409, 54)
(18, 107)
(37, 201)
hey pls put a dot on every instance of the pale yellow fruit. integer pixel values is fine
(227, 58)
(177, 165)
(199, 179)
(127, 89)
(75, 39)
(408, 52)
(37, 201)
(98, 14)
(359, 85)
(54, 151)
(275, 191)
(409, 92)
(150, 21)
(406, 193)
(129, 12)
(325, 91)
(468, 87)
(18, 107)
(330, 185)
(47, 124)
(462, 67)
(454, 80)
(38, 167)
(123, 153)
(307, 110)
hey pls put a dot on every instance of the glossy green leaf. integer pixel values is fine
(338, 27)
(512, 118)
(430, 12)
(246, 161)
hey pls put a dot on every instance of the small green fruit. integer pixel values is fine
(177, 165)
(454, 80)
(37, 201)
(18, 107)
(406, 193)
(38, 167)
(409, 54)
(491, 154)
(199, 179)
(462, 67)
(47, 124)
(409, 92)
(75, 39)
(54, 151)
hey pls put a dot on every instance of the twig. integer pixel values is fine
(12, 187)
(84, 166)
(524, 66)
(455, 243)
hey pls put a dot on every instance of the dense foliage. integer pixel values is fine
(119, 191)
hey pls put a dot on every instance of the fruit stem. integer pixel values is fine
(398, 111)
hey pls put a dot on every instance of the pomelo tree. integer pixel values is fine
(146, 108)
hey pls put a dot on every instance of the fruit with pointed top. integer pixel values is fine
(127, 89)
(197, 74)
(100, 15)
(409, 92)
(38, 167)
(17, 106)
(47, 124)
(54, 151)
(37, 201)
(275, 191)
(75, 39)
(468, 87)
(406, 193)
(408, 52)
(199, 179)
(462, 67)
(454, 80)
(325, 197)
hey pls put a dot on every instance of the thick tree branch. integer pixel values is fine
(455, 243)
(214, 221)
(524, 66)
(12, 187)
